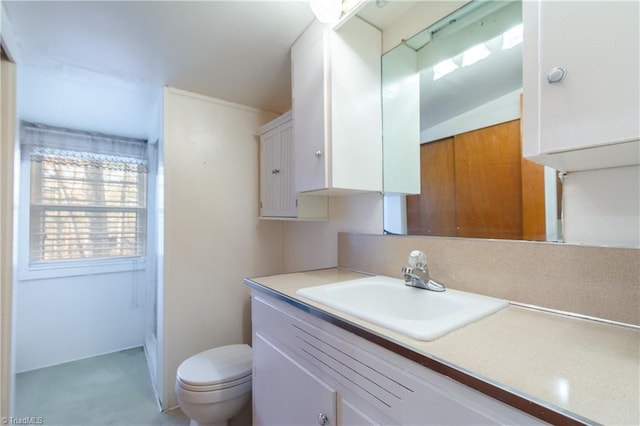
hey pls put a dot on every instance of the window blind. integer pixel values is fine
(88, 194)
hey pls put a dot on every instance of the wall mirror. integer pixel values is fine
(451, 114)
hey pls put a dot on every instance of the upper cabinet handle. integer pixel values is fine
(275, 171)
(318, 154)
(556, 75)
(322, 419)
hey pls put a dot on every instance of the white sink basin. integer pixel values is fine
(417, 313)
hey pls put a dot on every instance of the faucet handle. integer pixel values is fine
(417, 259)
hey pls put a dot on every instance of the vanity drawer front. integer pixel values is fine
(374, 379)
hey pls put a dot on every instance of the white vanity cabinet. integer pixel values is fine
(336, 89)
(278, 197)
(309, 372)
(588, 117)
(297, 397)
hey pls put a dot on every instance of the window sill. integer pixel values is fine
(79, 268)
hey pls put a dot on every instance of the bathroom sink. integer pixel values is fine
(417, 313)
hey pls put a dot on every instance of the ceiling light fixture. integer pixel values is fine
(326, 11)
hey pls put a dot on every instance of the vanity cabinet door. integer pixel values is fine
(597, 103)
(336, 90)
(352, 416)
(285, 393)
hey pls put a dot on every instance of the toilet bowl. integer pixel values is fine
(214, 385)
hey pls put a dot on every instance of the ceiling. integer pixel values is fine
(233, 50)
(236, 50)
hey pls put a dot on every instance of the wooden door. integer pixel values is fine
(489, 182)
(477, 185)
(433, 211)
(534, 226)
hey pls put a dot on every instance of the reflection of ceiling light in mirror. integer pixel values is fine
(326, 11)
(443, 68)
(512, 37)
(475, 54)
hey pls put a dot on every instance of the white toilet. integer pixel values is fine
(214, 385)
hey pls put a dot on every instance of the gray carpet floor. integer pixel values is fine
(112, 389)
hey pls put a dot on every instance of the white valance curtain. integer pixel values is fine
(39, 140)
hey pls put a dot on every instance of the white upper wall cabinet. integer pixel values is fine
(588, 118)
(278, 197)
(337, 113)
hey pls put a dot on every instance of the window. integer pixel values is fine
(87, 195)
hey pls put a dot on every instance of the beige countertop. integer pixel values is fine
(576, 366)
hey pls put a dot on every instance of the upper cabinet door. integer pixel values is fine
(277, 197)
(337, 112)
(308, 78)
(582, 80)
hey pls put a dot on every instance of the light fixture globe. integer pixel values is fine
(326, 11)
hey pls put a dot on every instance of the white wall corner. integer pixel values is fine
(602, 207)
(314, 245)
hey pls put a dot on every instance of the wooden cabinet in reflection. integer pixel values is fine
(476, 184)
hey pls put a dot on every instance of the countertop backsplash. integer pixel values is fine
(601, 282)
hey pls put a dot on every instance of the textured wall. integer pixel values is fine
(212, 235)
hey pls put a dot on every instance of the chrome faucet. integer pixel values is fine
(417, 273)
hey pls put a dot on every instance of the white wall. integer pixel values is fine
(212, 235)
(314, 245)
(64, 319)
(502, 109)
(602, 207)
(86, 100)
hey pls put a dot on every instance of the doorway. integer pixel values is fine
(86, 283)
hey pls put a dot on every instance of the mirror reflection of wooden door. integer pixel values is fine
(474, 184)
(433, 212)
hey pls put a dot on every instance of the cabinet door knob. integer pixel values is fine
(275, 171)
(323, 419)
(318, 154)
(556, 75)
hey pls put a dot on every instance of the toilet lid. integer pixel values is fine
(217, 365)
